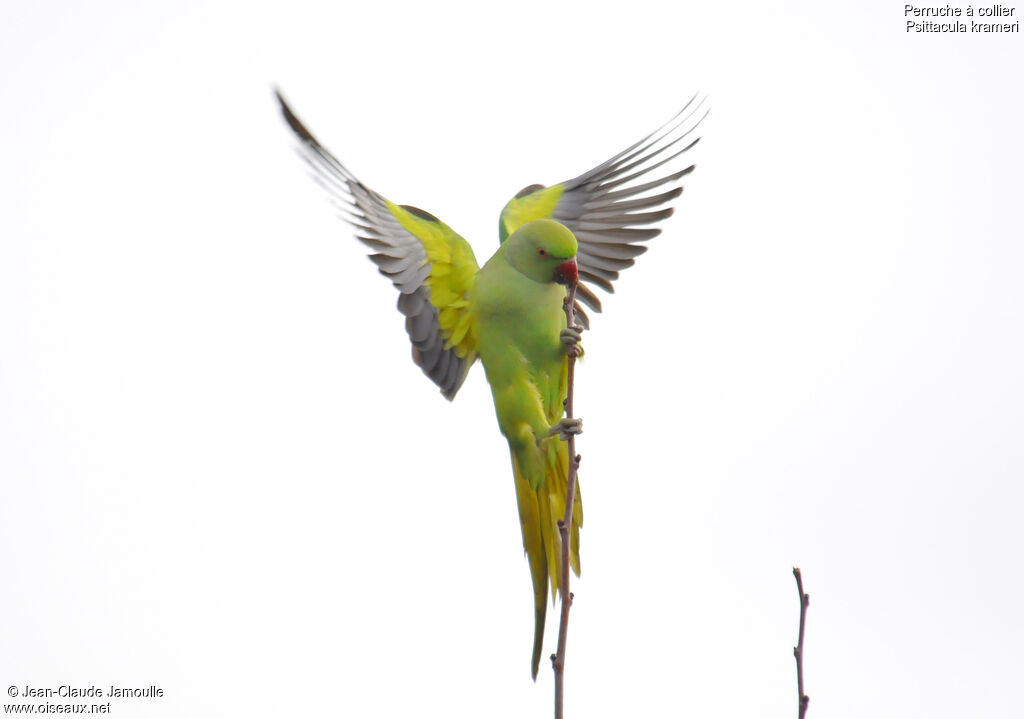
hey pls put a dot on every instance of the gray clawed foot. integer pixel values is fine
(571, 337)
(567, 427)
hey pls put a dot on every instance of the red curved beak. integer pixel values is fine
(567, 273)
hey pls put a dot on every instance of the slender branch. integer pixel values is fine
(565, 524)
(798, 650)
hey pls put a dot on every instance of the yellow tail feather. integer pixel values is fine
(539, 512)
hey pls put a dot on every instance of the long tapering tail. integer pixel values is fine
(539, 512)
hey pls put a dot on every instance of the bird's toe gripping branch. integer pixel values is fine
(571, 337)
(566, 427)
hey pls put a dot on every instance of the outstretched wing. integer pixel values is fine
(431, 266)
(608, 206)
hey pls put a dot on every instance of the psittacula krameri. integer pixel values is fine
(509, 313)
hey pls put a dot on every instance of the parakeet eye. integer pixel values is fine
(541, 252)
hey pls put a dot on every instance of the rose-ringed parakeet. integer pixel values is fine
(509, 313)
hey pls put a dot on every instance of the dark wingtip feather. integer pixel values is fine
(597, 280)
(528, 190)
(422, 214)
(584, 294)
(293, 121)
(581, 316)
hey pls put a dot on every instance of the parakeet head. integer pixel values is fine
(544, 251)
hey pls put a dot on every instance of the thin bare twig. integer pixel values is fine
(798, 650)
(565, 524)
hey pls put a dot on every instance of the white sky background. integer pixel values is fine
(222, 474)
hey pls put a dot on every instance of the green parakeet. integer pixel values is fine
(509, 312)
